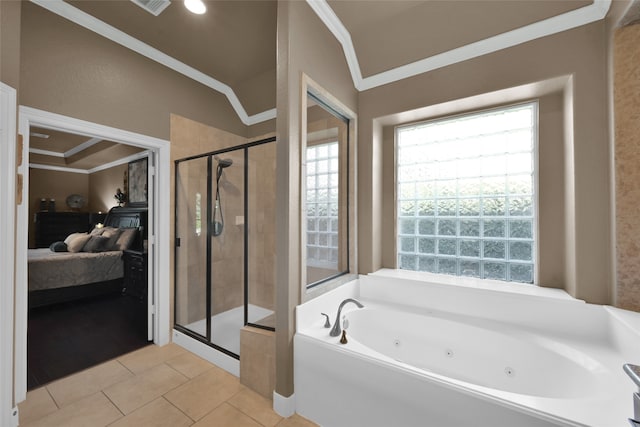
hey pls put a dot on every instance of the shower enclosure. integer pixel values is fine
(225, 243)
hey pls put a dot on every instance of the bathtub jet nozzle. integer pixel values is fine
(335, 331)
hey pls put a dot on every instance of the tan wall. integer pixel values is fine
(627, 161)
(72, 71)
(581, 53)
(10, 43)
(304, 46)
(98, 189)
(54, 185)
(103, 186)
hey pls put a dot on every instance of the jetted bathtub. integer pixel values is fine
(423, 353)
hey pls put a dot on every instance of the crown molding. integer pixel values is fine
(75, 150)
(89, 22)
(99, 168)
(88, 143)
(46, 152)
(566, 21)
(131, 158)
(57, 168)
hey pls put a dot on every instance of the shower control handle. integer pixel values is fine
(327, 324)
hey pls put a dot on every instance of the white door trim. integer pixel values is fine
(158, 254)
(8, 105)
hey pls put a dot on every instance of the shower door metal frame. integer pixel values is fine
(209, 233)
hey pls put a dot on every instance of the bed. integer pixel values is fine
(56, 277)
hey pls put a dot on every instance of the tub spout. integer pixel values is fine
(335, 331)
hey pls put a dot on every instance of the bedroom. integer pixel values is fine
(92, 291)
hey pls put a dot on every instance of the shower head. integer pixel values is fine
(223, 163)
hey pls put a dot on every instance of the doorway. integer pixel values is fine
(157, 312)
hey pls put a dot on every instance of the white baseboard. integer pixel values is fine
(284, 406)
(14, 418)
(210, 354)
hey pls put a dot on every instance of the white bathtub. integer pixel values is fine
(428, 354)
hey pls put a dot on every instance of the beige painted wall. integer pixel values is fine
(10, 43)
(304, 46)
(98, 189)
(54, 185)
(103, 186)
(72, 71)
(581, 53)
(627, 161)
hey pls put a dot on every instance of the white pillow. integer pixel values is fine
(125, 239)
(72, 236)
(76, 244)
(112, 234)
(97, 231)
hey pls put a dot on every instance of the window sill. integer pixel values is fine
(472, 282)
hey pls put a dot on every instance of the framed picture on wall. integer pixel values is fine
(138, 182)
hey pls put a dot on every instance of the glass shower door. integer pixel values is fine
(225, 244)
(227, 250)
(192, 201)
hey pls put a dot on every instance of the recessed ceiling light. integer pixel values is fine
(195, 6)
(39, 135)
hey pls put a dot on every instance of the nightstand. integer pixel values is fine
(135, 274)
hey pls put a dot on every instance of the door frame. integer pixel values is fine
(8, 107)
(158, 238)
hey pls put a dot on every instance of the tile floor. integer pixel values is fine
(154, 386)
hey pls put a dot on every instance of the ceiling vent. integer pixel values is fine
(154, 7)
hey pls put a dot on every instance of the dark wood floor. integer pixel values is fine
(66, 338)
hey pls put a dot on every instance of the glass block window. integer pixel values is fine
(466, 195)
(322, 205)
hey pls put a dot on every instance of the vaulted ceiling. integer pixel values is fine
(232, 47)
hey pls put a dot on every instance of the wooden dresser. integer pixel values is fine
(56, 226)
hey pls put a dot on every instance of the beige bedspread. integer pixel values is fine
(50, 270)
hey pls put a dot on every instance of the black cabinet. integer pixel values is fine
(135, 274)
(56, 226)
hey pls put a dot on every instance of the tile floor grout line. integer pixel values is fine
(177, 372)
(249, 415)
(125, 366)
(55, 402)
(181, 411)
(113, 403)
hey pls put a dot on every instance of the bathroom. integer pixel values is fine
(587, 217)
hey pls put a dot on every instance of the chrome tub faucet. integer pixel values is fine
(335, 331)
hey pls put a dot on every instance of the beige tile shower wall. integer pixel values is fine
(228, 247)
(257, 360)
(627, 164)
(262, 220)
(190, 138)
